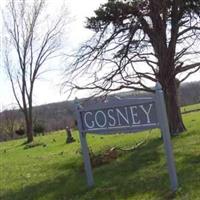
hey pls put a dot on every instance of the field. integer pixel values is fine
(54, 171)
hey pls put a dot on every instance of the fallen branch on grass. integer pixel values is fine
(110, 154)
(134, 147)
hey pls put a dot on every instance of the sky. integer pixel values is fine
(48, 88)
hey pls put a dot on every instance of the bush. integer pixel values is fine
(38, 128)
(20, 131)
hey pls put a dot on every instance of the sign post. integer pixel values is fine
(126, 116)
(163, 124)
(85, 150)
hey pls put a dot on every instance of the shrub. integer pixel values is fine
(38, 128)
(20, 131)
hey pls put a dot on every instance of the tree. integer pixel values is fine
(33, 38)
(137, 42)
(9, 121)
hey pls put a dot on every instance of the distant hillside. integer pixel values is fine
(189, 93)
(56, 116)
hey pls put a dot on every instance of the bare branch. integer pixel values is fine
(187, 67)
(190, 73)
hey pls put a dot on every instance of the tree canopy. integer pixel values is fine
(136, 42)
(128, 33)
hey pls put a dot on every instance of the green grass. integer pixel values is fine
(54, 171)
(190, 108)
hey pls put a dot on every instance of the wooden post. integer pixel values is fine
(163, 124)
(84, 148)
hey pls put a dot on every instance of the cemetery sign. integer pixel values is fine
(113, 117)
(126, 116)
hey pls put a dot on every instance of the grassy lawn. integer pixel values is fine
(54, 171)
(190, 107)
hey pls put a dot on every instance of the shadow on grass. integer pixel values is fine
(64, 186)
(141, 173)
(190, 170)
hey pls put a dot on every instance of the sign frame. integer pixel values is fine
(162, 124)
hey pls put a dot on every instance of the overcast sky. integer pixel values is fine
(49, 88)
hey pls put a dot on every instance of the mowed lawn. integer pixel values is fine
(54, 171)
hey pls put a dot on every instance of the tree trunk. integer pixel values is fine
(173, 109)
(69, 139)
(29, 131)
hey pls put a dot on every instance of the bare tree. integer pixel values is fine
(138, 42)
(33, 38)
